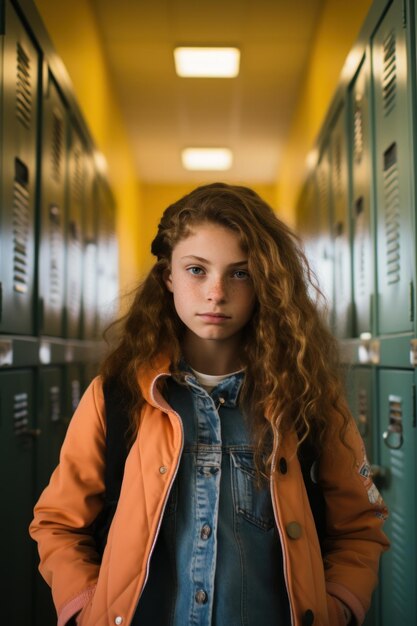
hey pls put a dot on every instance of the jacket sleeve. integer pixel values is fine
(355, 513)
(68, 559)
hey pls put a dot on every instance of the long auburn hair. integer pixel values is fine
(292, 372)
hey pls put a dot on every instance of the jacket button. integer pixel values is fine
(163, 469)
(118, 620)
(201, 596)
(308, 618)
(283, 465)
(205, 532)
(293, 530)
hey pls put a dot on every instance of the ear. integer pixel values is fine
(167, 278)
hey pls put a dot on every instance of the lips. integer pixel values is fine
(213, 317)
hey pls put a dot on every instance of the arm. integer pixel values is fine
(355, 514)
(69, 504)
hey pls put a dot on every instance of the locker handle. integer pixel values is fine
(33, 433)
(393, 438)
(379, 476)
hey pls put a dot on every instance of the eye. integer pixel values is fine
(241, 274)
(195, 270)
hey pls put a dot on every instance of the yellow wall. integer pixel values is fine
(73, 31)
(337, 31)
(157, 197)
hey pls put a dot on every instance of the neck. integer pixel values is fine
(215, 357)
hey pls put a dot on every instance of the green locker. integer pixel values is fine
(361, 403)
(18, 132)
(52, 215)
(339, 213)
(360, 168)
(17, 460)
(393, 173)
(50, 421)
(324, 265)
(397, 436)
(76, 202)
(89, 288)
(73, 382)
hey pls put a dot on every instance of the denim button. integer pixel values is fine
(205, 532)
(201, 596)
(283, 465)
(293, 530)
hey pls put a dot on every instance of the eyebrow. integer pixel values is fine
(202, 260)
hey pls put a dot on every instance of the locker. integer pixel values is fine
(339, 214)
(393, 172)
(73, 382)
(17, 455)
(76, 202)
(90, 370)
(89, 287)
(360, 168)
(52, 214)
(397, 432)
(18, 129)
(107, 262)
(324, 249)
(50, 421)
(307, 221)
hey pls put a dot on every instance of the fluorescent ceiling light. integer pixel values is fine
(207, 62)
(204, 159)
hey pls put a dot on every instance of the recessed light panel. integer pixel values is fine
(204, 159)
(207, 62)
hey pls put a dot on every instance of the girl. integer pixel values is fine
(227, 371)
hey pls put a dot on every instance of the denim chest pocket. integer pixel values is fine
(251, 501)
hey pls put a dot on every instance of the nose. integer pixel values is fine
(216, 290)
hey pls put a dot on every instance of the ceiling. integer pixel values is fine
(250, 114)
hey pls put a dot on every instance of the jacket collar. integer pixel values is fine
(148, 377)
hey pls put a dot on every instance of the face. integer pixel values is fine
(209, 279)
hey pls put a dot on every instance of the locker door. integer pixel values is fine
(360, 167)
(394, 169)
(17, 455)
(19, 113)
(324, 249)
(50, 420)
(342, 298)
(397, 458)
(89, 293)
(73, 388)
(76, 201)
(53, 190)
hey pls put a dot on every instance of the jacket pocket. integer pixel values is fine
(250, 500)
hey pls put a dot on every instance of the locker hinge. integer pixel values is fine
(414, 407)
(411, 295)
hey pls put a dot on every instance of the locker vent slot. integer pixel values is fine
(57, 145)
(20, 227)
(361, 245)
(358, 129)
(77, 180)
(55, 247)
(338, 165)
(20, 413)
(392, 214)
(389, 73)
(54, 403)
(23, 87)
(74, 265)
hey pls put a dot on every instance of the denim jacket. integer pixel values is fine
(218, 558)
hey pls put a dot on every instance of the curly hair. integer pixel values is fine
(292, 374)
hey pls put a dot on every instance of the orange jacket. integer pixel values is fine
(107, 593)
